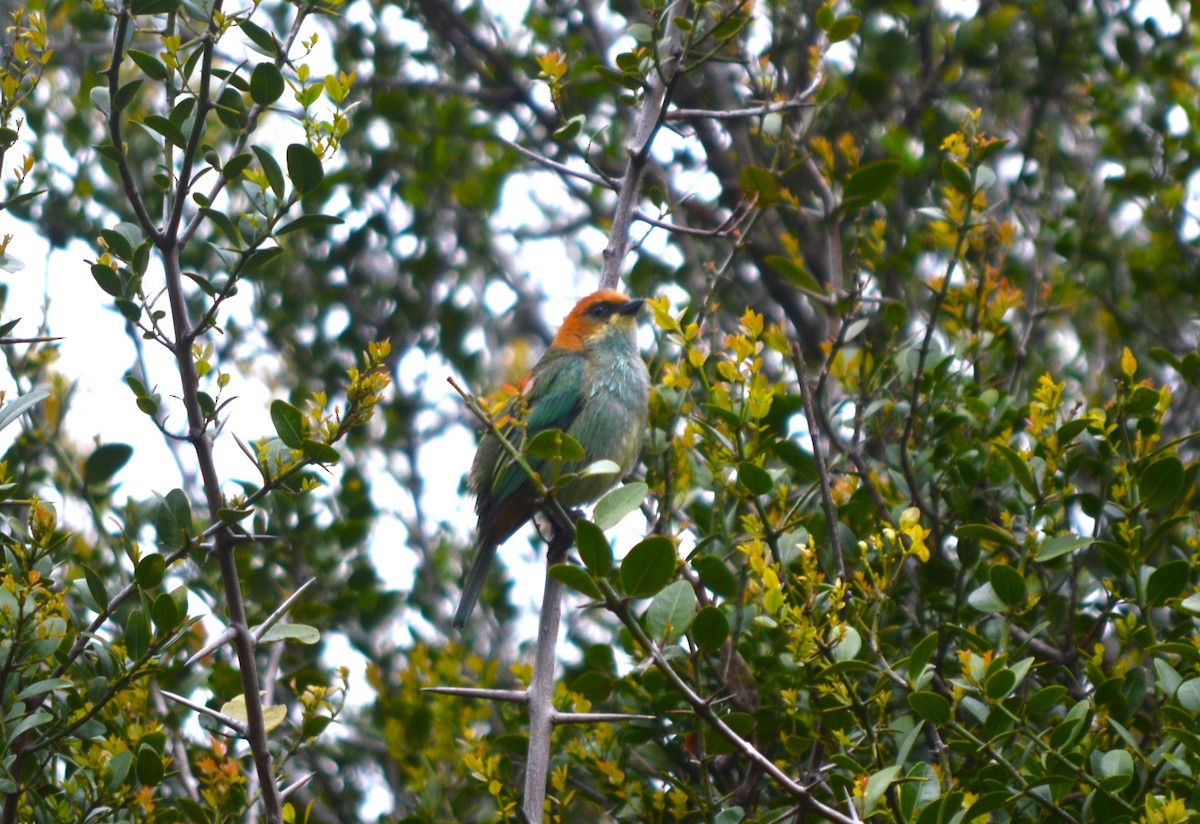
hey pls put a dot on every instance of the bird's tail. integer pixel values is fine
(480, 565)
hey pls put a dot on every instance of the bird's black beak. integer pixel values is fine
(631, 307)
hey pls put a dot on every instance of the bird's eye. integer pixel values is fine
(600, 310)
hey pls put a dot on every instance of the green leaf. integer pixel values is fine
(730, 815)
(920, 656)
(118, 768)
(931, 706)
(127, 93)
(985, 532)
(318, 452)
(304, 168)
(1116, 770)
(877, 785)
(173, 520)
(129, 310)
(107, 279)
(271, 169)
(844, 28)
(1142, 400)
(1061, 545)
(794, 273)
(95, 585)
(164, 127)
(259, 37)
(648, 567)
(1168, 677)
(154, 6)
(223, 222)
(291, 632)
(613, 507)
(273, 715)
(846, 643)
(1019, 467)
(233, 516)
(985, 599)
(760, 185)
(105, 462)
(715, 574)
(150, 65)
(594, 549)
(266, 84)
(44, 686)
(165, 613)
(1070, 430)
(1188, 694)
(671, 612)
(260, 258)
(710, 628)
(137, 635)
(1000, 683)
(149, 768)
(288, 422)
(27, 723)
(309, 222)
(600, 467)
(1168, 581)
(554, 445)
(825, 18)
(1008, 584)
(1190, 605)
(870, 182)
(577, 579)
(150, 570)
(957, 176)
(730, 26)
(1044, 699)
(1161, 482)
(755, 479)
(570, 129)
(16, 408)
(237, 164)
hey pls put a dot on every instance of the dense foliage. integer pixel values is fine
(919, 490)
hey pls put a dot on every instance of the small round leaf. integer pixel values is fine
(648, 567)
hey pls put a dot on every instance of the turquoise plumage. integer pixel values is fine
(591, 384)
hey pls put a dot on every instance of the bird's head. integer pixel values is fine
(604, 317)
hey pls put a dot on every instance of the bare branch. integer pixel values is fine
(509, 696)
(561, 168)
(228, 720)
(656, 99)
(737, 114)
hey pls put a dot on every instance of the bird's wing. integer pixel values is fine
(554, 400)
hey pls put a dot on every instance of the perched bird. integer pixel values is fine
(591, 384)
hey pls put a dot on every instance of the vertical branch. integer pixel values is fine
(169, 248)
(649, 118)
(541, 690)
(814, 433)
(540, 694)
(132, 194)
(223, 544)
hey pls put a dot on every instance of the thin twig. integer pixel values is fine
(228, 720)
(509, 696)
(128, 184)
(814, 434)
(739, 114)
(655, 101)
(561, 168)
(704, 710)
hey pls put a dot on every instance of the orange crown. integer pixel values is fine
(580, 325)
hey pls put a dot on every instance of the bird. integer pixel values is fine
(592, 384)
